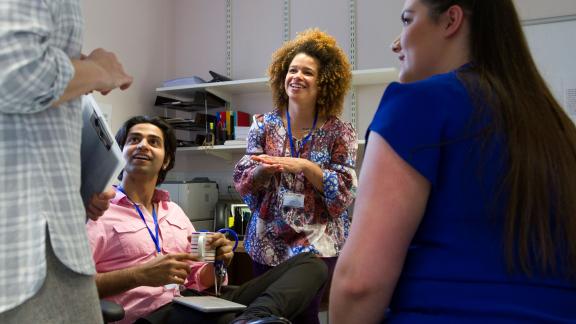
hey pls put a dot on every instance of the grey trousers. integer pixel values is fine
(65, 297)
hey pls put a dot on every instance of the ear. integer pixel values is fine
(453, 20)
(166, 163)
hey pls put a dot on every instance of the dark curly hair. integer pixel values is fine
(334, 75)
(169, 140)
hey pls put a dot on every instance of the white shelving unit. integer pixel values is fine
(225, 152)
(226, 90)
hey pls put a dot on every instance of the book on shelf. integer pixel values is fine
(242, 118)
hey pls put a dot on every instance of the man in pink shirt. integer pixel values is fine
(141, 245)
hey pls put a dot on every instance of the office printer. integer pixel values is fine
(197, 197)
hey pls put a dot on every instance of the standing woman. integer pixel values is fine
(468, 181)
(298, 174)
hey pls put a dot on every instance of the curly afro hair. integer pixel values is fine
(334, 75)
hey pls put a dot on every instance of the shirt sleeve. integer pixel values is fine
(411, 119)
(244, 171)
(34, 73)
(339, 176)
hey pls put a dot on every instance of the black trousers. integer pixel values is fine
(286, 290)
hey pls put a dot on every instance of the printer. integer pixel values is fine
(197, 197)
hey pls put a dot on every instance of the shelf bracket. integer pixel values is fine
(352, 33)
(286, 20)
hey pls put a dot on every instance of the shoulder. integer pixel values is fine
(439, 98)
(338, 126)
(272, 118)
(437, 90)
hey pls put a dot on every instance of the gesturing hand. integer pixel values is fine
(165, 269)
(282, 163)
(112, 70)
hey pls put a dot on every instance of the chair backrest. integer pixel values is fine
(111, 312)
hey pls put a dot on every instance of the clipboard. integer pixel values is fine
(102, 159)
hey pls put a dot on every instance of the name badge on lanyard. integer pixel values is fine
(292, 199)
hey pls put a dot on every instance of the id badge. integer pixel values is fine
(294, 200)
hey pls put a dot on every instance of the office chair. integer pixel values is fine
(111, 312)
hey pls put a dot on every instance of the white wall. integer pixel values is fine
(534, 9)
(163, 39)
(197, 37)
(137, 31)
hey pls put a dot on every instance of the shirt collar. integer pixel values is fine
(160, 195)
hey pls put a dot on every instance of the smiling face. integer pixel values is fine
(144, 150)
(419, 46)
(301, 82)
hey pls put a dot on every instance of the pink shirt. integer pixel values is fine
(120, 240)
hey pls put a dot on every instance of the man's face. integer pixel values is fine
(144, 150)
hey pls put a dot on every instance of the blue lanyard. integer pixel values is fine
(293, 151)
(155, 238)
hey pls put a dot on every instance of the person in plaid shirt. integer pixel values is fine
(45, 259)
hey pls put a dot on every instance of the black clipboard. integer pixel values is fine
(102, 159)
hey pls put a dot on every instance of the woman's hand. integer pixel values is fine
(223, 247)
(311, 170)
(283, 164)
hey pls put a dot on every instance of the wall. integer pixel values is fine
(136, 30)
(257, 32)
(536, 9)
(159, 40)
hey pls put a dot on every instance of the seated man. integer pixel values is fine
(141, 244)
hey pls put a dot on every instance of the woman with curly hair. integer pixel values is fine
(298, 174)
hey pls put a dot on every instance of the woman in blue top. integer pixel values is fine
(466, 208)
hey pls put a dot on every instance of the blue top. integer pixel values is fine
(455, 270)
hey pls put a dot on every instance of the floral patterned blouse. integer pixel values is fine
(276, 232)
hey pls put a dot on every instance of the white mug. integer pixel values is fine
(201, 248)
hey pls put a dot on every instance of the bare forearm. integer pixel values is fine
(116, 282)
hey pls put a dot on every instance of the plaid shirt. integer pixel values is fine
(39, 145)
